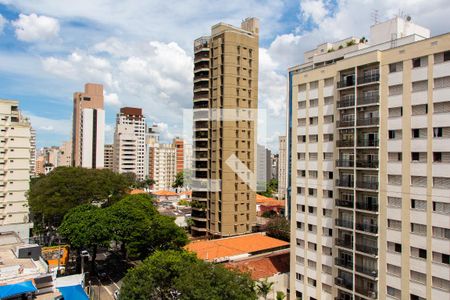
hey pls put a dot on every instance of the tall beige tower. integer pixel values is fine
(370, 157)
(282, 163)
(88, 130)
(225, 77)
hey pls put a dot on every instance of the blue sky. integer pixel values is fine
(142, 51)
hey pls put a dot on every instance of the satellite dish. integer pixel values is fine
(408, 18)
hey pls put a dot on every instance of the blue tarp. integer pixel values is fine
(17, 289)
(73, 292)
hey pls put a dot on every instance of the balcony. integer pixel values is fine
(344, 263)
(368, 121)
(343, 282)
(344, 223)
(369, 185)
(371, 228)
(201, 96)
(363, 290)
(343, 296)
(347, 82)
(365, 100)
(368, 164)
(373, 272)
(369, 78)
(344, 203)
(344, 183)
(346, 243)
(367, 205)
(366, 249)
(346, 102)
(344, 143)
(367, 142)
(345, 123)
(344, 163)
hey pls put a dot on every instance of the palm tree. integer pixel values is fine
(264, 288)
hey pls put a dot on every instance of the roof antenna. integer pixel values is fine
(374, 16)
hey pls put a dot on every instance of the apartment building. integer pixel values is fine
(274, 166)
(263, 166)
(162, 165)
(109, 157)
(65, 154)
(282, 171)
(179, 146)
(225, 77)
(131, 121)
(33, 152)
(370, 148)
(88, 130)
(15, 155)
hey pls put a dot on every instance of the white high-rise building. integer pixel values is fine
(33, 153)
(282, 173)
(129, 142)
(369, 179)
(15, 156)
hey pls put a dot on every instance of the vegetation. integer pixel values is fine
(280, 295)
(133, 223)
(53, 195)
(351, 43)
(184, 202)
(340, 47)
(331, 50)
(264, 287)
(278, 227)
(179, 180)
(180, 275)
(271, 188)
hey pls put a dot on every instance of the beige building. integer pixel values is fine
(162, 163)
(15, 154)
(33, 153)
(88, 130)
(225, 77)
(370, 146)
(282, 164)
(65, 154)
(109, 157)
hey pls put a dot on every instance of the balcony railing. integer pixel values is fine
(372, 99)
(345, 163)
(349, 81)
(364, 163)
(367, 270)
(345, 283)
(366, 249)
(343, 263)
(367, 292)
(344, 243)
(366, 205)
(367, 142)
(344, 203)
(370, 185)
(200, 66)
(345, 123)
(372, 228)
(368, 121)
(346, 102)
(369, 78)
(344, 143)
(344, 223)
(344, 182)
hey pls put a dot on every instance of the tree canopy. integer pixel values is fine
(278, 227)
(179, 180)
(53, 195)
(181, 275)
(271, 188)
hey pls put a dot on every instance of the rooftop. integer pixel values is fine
(263, 266)
(266, 201)
(164, 193)
(137, 191)
(227, 248)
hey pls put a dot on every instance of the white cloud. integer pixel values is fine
(30, 28)
(314, 9)
(54, 126)
(3, 21)
(112, 99)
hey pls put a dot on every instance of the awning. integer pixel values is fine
(17, 289)
(74, 292)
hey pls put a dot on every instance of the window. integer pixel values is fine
(394, 270)
(437, 132)
(441, 258)
(441, 107)
(415, 156)
(420, 62)
(415, 133)
(391, 134)
(418, 204)
(441, 283)
(442, 82)
(441, 207)
(441, 233)
(418, 276)
(441, 182)
(418, 252)
(415, 297)
(437, 156)
(419, 86)
(394, 202)
(396, 67)
(419, 181)
(299, 277)
(394, 224)
(395, 90)
(418, 228)
(417, 110)
(396, 293)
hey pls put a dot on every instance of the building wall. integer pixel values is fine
(15, 150)
(225, 77)
(368, 213)
(109, 156)
(65, 154)
(125, 149)
(282, 172)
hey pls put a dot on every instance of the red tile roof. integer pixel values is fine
(137, 191)
(266, 201)
(263, 267)
(226, 247)
(164, 193)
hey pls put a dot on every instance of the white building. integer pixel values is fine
(131, 133)
(162, 165)
(15, 154)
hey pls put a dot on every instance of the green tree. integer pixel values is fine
(281, 295)
(86, 226)
(52, 196)
(271, 188)
(179, 180)
(181, 275)
(278, 227)
(264, 287)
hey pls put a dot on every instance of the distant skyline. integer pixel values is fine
(141, 51)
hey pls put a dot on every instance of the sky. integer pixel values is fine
(142, 51)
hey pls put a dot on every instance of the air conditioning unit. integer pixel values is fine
(372, 294)
(339, 280)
